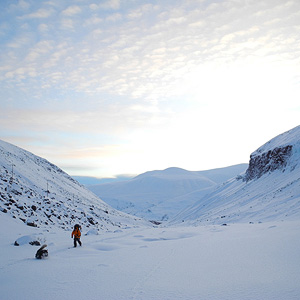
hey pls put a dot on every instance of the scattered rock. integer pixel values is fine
(32, 224)
(27, 239)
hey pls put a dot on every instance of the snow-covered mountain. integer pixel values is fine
(41, 194)
(242, 261)
(269, 190)
(88, 180)
(159, 195)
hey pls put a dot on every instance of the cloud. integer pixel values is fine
(142, 11)
(71, 11)
(19, 42)
(110, 4)
(41, 13)
(43, 28)
(154, 47)
(114, 17)
(106, 5)
(113, 68)
(40, 49)
(21, 5)
(93, 21)
(108, 118)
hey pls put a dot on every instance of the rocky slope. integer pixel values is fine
(41, 194)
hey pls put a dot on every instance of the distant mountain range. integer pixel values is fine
(159, 195)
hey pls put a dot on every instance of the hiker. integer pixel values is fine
(77, 234)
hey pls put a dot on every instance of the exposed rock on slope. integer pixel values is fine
(275, 159)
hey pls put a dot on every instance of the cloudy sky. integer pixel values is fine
(112, 87)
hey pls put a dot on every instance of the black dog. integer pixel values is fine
(42, 252)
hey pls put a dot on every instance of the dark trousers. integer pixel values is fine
(75, 242)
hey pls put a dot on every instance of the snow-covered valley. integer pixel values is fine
(239, 241)
(161, 194)
(241, 261)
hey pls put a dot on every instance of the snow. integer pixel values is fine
(290, 137)
(241, 261)
(275, 195)
(194, 256)
(161, 194)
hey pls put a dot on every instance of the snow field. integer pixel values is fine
(242, 261)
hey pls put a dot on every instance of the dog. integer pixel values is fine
(42, 252)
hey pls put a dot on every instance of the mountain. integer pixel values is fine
(40, 194)
(269, 190)
(88, 180)
(160, 194)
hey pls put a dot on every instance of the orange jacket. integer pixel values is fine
(76, 233)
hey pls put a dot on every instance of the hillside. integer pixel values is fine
(269, 190)
(160, 194)
(41, 194)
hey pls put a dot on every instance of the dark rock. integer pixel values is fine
(91, 220)
(275, 159)
(32, 224)
(35, 243)
(155, 222)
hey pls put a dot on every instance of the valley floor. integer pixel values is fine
(242, 261)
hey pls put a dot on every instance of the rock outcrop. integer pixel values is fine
(275, 159)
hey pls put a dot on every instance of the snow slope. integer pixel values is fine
(39, 193)
(159, 195)
(269, 190)
(241, 261)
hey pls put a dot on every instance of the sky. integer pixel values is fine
(103, 88)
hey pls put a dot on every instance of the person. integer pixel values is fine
(76, 234)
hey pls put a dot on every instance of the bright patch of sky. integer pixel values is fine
(102, 88)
